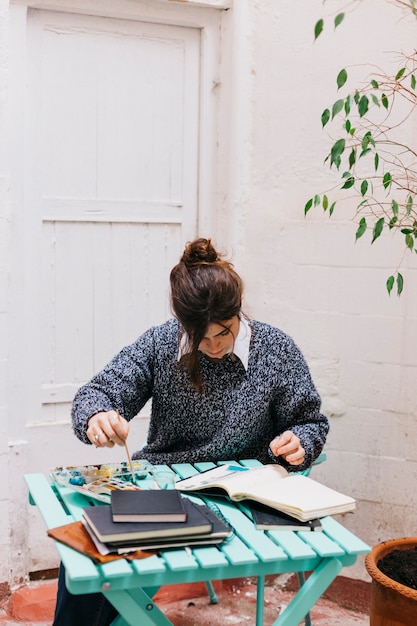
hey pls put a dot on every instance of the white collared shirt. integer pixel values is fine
(240, 348)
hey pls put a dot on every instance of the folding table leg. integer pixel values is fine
(260, 596)
(136, 608)
(212, 594)
(309, 593)
(301, 580)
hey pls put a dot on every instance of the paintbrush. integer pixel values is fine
(129, 461)
(129, 458)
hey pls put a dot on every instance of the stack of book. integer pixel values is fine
(151, 520)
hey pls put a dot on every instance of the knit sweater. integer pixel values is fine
(235, 417)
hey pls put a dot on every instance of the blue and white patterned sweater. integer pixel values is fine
(235, 417)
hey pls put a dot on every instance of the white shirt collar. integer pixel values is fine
(241, 347)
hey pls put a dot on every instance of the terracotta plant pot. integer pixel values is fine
(392, 604)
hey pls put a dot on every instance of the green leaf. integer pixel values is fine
(308, 206)
(390, 283)
(349, 183)
(364, 152)
(409, 204)
(339, 19)
(394, 206)
(368, 139)
(332, 208)
(364, 187)
(356, 97)
(374, 84)
(316, 200)
(376, 161)
(347, 126)
(337, 107)
(363, 106)
(384, 101)
(318, 28)
(392, 222)
(375, 100)
(325, 202)
(409, 241)
(361, 228)
(400, 283)
(352, 158)
(341, 78)
(325, 116)
(413, 81)
(347, 105)
(336, 151)
(387, 180)
(378, 229)
(400, 73)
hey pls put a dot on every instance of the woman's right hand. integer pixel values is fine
(107, 428)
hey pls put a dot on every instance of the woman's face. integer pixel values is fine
(219, 338)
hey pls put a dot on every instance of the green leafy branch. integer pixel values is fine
(373, 165)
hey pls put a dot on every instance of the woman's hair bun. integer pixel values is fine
(200, 251)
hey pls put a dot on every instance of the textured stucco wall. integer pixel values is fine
(308, 276)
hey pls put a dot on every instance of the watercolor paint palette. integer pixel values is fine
(98, 481)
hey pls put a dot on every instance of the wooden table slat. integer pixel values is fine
(322, 544)
(152, 565)
(258, 541)
(209, 557)
(180, 559)
(344, 537)
(238, 552)
(292, 544)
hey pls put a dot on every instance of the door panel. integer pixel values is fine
(111, 180)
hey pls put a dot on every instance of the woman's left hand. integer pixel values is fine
(289, 447)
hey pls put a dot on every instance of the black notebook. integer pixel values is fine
(221, 531)
(99, 518)
(266, 518)
(220, 527)
(148, 505)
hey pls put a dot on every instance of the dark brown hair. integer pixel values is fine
(205, 289)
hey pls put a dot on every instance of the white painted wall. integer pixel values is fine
(305, 275)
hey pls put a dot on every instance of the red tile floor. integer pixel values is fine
(345, 604)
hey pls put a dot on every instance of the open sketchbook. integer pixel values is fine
(293, 494)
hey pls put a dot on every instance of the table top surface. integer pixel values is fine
(249, 552)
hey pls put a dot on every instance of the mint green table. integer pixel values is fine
(130, 585)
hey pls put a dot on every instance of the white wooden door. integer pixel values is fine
(110, 138)
(113, 166)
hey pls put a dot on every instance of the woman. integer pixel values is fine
(222, 387)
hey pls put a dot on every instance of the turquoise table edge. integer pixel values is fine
(131, 585)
